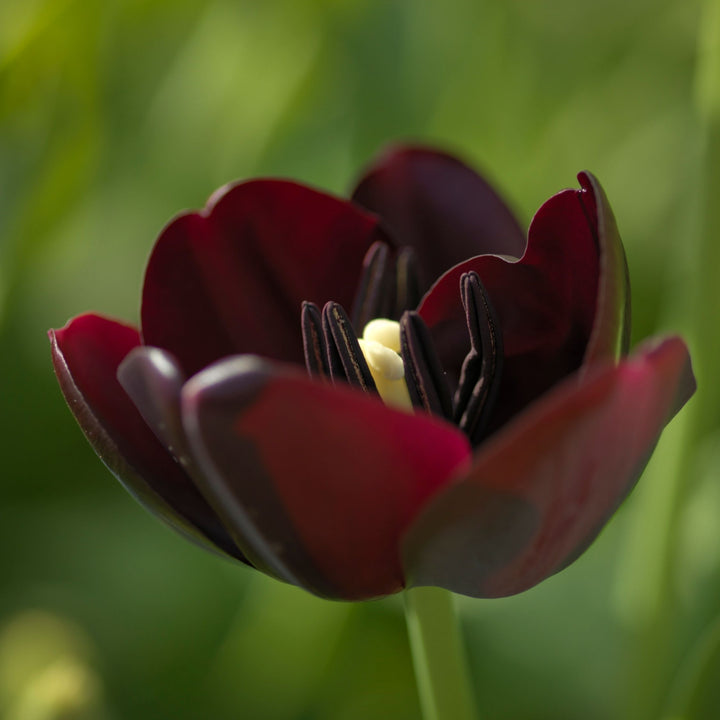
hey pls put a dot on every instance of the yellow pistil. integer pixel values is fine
(380, 344)
(385, 332)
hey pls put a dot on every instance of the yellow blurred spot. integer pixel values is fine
(46, 672)
(67, 690)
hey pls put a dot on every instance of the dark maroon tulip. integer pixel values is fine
(247, 414)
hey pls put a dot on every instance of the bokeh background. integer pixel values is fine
(115, 115)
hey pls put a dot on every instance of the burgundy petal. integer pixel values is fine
(545, 303)
(153, 380)
(86, 355)
(231, 278)
(541, 490)
(610, 337)
(321, 482)
(436, 204)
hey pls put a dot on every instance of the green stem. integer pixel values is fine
(438, 656)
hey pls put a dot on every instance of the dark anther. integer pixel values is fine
(316, 359)
(346, 361)
(376, 294)
(424, 376)
(407, 277)
(482, 368)
(389, 285)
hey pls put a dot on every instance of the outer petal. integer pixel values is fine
(541, 490)
(86, 355)
(321, 482)
(546, 304)
(231, 278)
(611, 326)
(439, 206)
(153, 380)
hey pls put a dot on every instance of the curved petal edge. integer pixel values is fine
(610, 338)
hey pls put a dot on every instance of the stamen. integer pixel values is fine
(426, 381)
(389, 285)
(314, 346)
(346, 361)
(398, 360)
(408, 291)
(376, 293)
(482, 367)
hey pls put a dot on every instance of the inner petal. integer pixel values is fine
(229, 279)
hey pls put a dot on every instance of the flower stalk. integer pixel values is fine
(438, 655)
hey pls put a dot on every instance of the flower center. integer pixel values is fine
(397, 359)
(380, 345)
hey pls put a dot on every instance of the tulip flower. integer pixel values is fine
(397, 390)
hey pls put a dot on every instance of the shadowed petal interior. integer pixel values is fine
(545, 304)
(444, 210)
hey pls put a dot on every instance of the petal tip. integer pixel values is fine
(586, 179)
(245, 372)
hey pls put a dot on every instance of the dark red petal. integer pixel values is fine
(153, 380)
(541, 489)
(439, 206)
(610, 337)
(231, 278)
(320, 482)
(86, 354)
(545, 303)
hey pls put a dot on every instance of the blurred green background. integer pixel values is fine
(115, 115)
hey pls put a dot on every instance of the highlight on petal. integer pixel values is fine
(546, 304)
(541, 489)
(444, 210)
(86, 354)
(231, 279)
(318, 482)
(153, 380)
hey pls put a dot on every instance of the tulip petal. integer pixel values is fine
(153, 380)
(546, 304)
(231, 278)
(436, 204)
(317, 483)
(86, 354)
(541, 490)
(610, 337)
